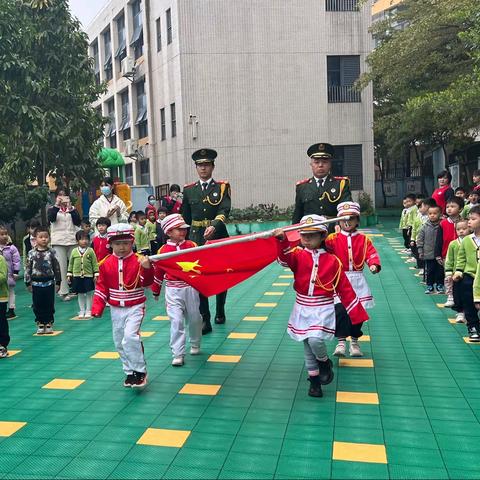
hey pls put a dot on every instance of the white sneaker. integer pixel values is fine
(354, 350)
(411, 260)
(194, 350)
(340, 349)
(460, 318)
(449, 303)
(421, 271)
(177, 361)
(40, 329)
(81, 315)
(48, 329)
(88, 314)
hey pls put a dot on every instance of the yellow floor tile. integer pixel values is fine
(63, 384)
(106, 355)
(363, 338)
(359, 452)
(274, 294)
(453, 321)
(147, 334)
(54, 334)
(160, 317)
(265, 304)
(159, 437)
(285, 276)
(375, 235)
(358, 397)
(440, 305)
(199, 389)
(81, 319)
(467, 340)
(7, 429)
(12, 353)
(356, 362)
(244, 336)
(411, 268)
(255, 319)
(281, 284)
(225, 358)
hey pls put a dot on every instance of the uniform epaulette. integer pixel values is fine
(342, 178)
(222, 182)
(188, 185)
(301, 182)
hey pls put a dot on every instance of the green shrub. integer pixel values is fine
(260, 213)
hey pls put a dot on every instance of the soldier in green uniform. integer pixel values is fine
(321, 193)
(206, 206)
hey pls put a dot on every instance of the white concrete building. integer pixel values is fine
(257, 80)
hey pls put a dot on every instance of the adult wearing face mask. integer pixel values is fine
(151, 206)
(108, 205)
(64, 222)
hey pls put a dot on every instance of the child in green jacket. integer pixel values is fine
(4, 330)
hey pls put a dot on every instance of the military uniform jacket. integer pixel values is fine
(203, 209)
(322, 200)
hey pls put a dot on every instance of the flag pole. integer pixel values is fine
(243, 239)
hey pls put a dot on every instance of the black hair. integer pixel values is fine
(62, 189)
(174, 188)
(457, 200)
(445, 173)
(411, 196)
(162, 210)
(133, 213)
(474, 192)
(3, 228)
(430, 202)
(108, 181)
(81, 235)
(141, 213)
(476, 173)
(438, 207)
(41, 229)
(86, 221)
(460, 189)
(475, 210)
(104, 221)
(150, 196)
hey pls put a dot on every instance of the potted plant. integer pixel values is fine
(368, 216)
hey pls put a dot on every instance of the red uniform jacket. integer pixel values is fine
(353, 249)
(121, 283)
(446, 234)
(99, 245)
(325, 279)
(161, 274)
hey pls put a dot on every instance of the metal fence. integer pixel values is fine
(341, 5)
(343, 94)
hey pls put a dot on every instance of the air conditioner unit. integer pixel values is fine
(131, 147)
(128, 67)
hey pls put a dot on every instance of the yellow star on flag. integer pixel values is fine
(189, 266)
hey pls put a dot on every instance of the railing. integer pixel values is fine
(343, 94)
(341, 5)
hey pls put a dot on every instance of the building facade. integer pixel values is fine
(257, 80)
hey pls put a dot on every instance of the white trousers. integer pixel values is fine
(11, 297)
(63, 256)
(126, 323)
(183, 308)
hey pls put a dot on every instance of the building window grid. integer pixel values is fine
(169, 26)
(173, 119)
(141, 121)
(121, 51)
(96, 62)
(349, 161)
(159, 34)
(129, 174)
(341, 5)
(111, 131)
(125, 125)
(163, 125)
(107, 41)
(137, 39)
(342, 73)
(145, 172)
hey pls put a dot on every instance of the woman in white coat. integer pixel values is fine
(108, 205)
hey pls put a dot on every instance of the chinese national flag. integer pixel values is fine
(218, 269)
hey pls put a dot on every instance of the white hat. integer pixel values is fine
(175, 220)
(120, 230)
(348, 208)
(312, 219)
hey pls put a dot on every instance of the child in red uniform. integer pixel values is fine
(100, 241)
(318, 277)
(354, 251)
(120, 284)
(182, 300)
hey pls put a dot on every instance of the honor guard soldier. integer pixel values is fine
(321, 193)
(206, 206)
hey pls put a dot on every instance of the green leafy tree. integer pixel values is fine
(47, 87)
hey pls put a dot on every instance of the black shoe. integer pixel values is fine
(315, 389)
(139, 379)
(206, 328)
(220, 319)
(326, 371)
(11, 313)
(473, 334)
(128, 381)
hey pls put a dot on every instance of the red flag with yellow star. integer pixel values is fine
(214, 271)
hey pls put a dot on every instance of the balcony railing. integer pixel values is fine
(341, 5)
(343, 94)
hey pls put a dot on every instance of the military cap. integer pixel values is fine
(321, 150)
(204, 155)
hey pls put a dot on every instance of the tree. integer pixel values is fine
(47, 87)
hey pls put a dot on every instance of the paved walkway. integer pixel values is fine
(408, 409)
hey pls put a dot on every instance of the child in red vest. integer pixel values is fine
(120, 284)
(318, 278)
(100, 240)
(354, 251)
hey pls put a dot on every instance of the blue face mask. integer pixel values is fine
(152, 201)
(106, 190)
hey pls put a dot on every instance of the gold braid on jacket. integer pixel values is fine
(223, 187)
(327, 194)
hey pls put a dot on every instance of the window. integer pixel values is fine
(342, 72)
(141, 120)
(129, 174)
(169, 26)
(159, 34)
(173, 118)
(125, 124)
(121, 51)
(107, 66)
(163, 124)
(348, 161)
(341, 5)
(96, 61)
(145, 172)
(111, 131)
(137, 38)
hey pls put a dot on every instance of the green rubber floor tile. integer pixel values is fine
(150, 454)
(106, 450)
(174, 423)
(355, 470)
(422, 458)
(461, 460)
(406, 424)
(209, 441)
(38, 430)
(401, 472)
(78, 432)
(118, 434)
(294, 467)
(265, 415)
(450, 427)
(213, 425)
(356, 435)
(44, 466)
(269, 430)
(266, 445)
(134, 420)
(62, 448)
(88, 468)
(228, 401)
(225, 412)
(17, 445)
(183, 472)
(202, 459)
(234, 475)
(307, 449)
(9, 462)
(134, 471)
(406, 411)
(251, 463)
(355, 421)
(464, 474)
(410, 439)
(309, 432)
(357, 409)
(460, 443)
(451, 414)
